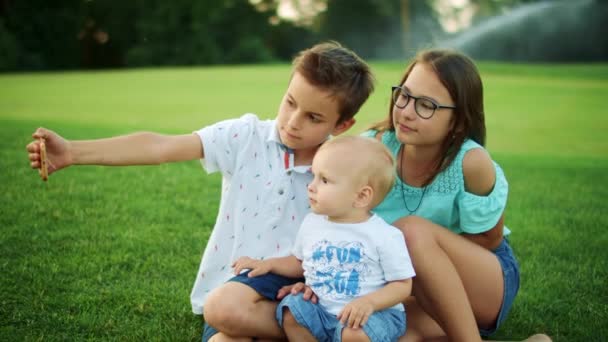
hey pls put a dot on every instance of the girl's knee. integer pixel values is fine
(417, 232)
(354, 335)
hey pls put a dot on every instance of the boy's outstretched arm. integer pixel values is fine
(288, 266)
(143, 148)
(356, 313)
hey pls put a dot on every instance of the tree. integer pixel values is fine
(380, 28)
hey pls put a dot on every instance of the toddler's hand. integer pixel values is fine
(356, 313)
(257, 267)
(57, 151)
(297, 288)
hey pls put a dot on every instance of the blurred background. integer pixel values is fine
(94, 34)
(109, 254)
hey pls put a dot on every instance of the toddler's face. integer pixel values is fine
(334, 188)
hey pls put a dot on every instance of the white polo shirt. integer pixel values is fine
(263, 202)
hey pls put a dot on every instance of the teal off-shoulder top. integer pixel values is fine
(445, 201)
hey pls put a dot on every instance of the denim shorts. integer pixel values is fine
(510, 273)
(266, 285)
(386, 325)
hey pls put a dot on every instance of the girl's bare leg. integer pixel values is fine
(451, 271)
(458, 283)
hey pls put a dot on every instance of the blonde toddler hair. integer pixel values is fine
(368, 160)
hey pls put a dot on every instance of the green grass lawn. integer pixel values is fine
(111, 253)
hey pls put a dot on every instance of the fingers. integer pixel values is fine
(41, 132)
(33, 150)
(308, 293)
(34, 160)
(314, 298)
(33, 147)
(242, 264)
(297, 288)
(364, 320)
(255, 272)
(284, 291)
(355, 322)
(343, 315)
(237, 266)
(237, 270)
(353, 317)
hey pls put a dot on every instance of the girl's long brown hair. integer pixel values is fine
(460, 76)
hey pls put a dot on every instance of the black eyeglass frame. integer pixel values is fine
(403, 91)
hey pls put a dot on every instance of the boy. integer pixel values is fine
(355, 262)
(265, 171)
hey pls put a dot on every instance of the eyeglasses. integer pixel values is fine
(425, 107)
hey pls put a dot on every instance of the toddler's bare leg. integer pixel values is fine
(294, 331)
(354, 335)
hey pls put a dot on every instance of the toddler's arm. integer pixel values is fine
(288, 266)
(143, 148)
(356, 313)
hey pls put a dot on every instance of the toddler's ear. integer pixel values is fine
(364, 197)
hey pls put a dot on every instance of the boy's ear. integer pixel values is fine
(343, 126)
(364, 197)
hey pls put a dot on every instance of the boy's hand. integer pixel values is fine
(297, 288)
(356, 313)
(57, 151)
(257, 267)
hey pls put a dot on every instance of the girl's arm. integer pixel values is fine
(489, 239)
(479, 179)
(143, 148)
(288, 266)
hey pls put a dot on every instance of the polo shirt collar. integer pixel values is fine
(288, 156)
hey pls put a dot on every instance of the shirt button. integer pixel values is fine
(281, 191)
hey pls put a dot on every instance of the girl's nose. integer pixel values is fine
(408, 112)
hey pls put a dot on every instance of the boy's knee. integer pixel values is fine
(223, 311)
(354, 335)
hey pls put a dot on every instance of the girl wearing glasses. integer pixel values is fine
(449, 201)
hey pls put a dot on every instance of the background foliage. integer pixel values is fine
(92, 34)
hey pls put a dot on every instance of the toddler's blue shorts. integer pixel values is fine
(266, 285)
(510, 272)
(386, 325)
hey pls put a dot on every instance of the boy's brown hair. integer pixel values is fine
(334, 68)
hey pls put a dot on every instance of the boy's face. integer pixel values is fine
(334, 188)
(307, 116)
